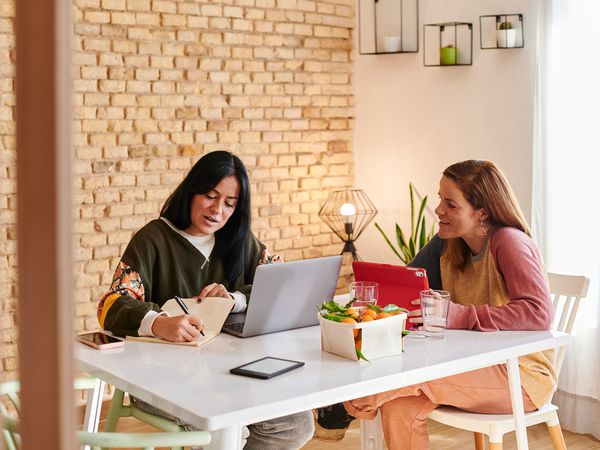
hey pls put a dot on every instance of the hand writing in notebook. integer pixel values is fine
(210, 312)
(177, 329)
(184, 308)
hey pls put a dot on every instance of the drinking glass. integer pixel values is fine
(364, 293)
(434, 309)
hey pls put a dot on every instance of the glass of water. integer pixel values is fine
(434, 309)
(364, 293)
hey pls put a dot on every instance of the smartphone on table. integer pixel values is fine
(100, 340)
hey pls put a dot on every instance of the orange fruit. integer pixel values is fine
(382, 315)
(358, 344)
(367, 318)
(368, 312)
(352, 311)
(351, 320)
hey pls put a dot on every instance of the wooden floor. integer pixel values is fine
(441, 438)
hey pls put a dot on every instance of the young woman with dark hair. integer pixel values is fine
(200, 246)
(231, 240)
(484, 255)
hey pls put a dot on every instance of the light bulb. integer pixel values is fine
(348, 210)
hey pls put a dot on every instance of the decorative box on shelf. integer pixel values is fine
(448, 44)
(388, 26)
(501, 31)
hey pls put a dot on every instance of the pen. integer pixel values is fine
(185, 309)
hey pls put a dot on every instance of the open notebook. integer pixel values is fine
(212, 310)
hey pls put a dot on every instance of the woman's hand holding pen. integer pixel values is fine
(177, 329)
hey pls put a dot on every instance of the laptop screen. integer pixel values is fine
(287, 295)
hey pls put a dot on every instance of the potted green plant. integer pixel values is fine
(448, 55)
(506, 35)
(419, 236)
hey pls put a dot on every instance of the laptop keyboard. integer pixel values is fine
(236, 326)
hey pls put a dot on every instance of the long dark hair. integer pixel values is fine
(231, 240)
(484, 186)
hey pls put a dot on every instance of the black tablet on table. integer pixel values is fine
(267, 367)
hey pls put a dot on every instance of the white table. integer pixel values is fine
(195, 385)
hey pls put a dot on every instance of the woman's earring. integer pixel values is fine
(483, 228)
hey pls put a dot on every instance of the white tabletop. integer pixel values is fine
(195, 385)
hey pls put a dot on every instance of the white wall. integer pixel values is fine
(413, 121)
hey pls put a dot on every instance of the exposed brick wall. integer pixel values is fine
(159, 83)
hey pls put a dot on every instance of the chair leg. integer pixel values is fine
(495, 445)
(114, 412)
(557, 437)
(479, 441)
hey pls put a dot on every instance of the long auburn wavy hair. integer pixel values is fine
(484, 186)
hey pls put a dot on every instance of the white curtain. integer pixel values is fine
(567, 187)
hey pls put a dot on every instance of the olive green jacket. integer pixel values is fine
(169, 265)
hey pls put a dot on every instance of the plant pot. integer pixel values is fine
(391, 43)
(448, 56)
(506, 38)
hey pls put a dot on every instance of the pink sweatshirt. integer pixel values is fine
(517, 261)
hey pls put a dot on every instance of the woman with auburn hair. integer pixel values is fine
(484, 255)
(482, 182)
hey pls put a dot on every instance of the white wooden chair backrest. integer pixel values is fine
(567, 291)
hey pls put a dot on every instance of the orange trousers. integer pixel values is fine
(404, 411)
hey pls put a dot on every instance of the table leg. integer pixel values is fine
(371, 434)
(93, 408)
(516, 398)
(229, 438)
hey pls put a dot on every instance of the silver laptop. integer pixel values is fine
(286, 296)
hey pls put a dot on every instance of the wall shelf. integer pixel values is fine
(388, 26)
(448, 44)
(501, 31)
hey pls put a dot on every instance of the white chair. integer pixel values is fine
(9, 426)
(567, 291)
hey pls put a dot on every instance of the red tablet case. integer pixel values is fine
(397, 284)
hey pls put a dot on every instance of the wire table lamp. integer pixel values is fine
(348, 212)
